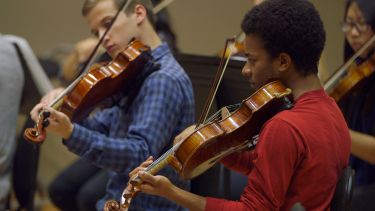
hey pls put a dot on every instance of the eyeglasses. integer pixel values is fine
(348, 26)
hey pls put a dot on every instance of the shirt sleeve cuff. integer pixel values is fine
(78, 139)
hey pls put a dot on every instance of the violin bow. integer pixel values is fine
(328, 85)
(217, 80)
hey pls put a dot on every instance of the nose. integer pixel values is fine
(101, 34)
(354, 31)
(246, 71)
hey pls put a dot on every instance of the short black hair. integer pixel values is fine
(288, 26)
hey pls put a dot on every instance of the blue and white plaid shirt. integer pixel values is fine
(120, 138)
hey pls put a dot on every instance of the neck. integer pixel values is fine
(149, 36)
(301, 85)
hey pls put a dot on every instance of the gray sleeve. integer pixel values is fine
(11, 85)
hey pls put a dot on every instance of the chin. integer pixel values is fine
(112, 54)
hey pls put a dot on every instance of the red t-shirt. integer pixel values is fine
(299, 158)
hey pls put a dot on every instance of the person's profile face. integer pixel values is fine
(355, 27)
(259, 67)
(122, 31)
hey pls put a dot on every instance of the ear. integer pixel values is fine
(140, 13)
(285, 62)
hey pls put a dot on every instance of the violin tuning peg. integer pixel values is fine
(46, 114)
(45, 123)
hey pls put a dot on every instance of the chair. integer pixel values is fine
(342, 198)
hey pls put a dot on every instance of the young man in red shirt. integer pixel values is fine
(301, 152)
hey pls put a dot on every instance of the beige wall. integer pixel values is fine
(331, 12)
(201, 25)
(44, 23)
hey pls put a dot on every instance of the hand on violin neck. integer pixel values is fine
(141, 167)
(44, 102)
(35, 113)
(133, 184)
(184, 134)
(58, 123)
(155, 185)
(51, 95)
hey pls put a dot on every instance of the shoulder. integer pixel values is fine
(280, 136)
(282, 128)
(281, 123)
(170, 73)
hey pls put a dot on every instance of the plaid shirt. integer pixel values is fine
(120, 138)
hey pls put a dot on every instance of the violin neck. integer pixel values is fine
(160, 163)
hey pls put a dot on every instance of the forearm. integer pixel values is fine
(363, 146)
(116, 154)
(186, 199)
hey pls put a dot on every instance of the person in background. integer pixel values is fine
(11, 81)
(301, 152)
(359, 106)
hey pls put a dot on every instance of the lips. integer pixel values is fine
(110, 48)
(356, 45)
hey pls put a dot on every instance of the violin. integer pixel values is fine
(92, 87)
(350, 76)
(216, 139)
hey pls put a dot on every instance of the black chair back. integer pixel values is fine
(342, 199)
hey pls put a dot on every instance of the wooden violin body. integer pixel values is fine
(98, 83)
(349, 76)
(101, 82)
(355, 76)
(215, 140)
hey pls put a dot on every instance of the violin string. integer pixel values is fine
(217, 114)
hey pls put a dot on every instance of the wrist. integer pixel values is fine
(69, 131)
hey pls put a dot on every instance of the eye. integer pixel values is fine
(95, 33)
(107, 24)
(251, 61)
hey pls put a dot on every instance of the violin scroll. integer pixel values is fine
(111, 205)
(127, 196)
(38, 133)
